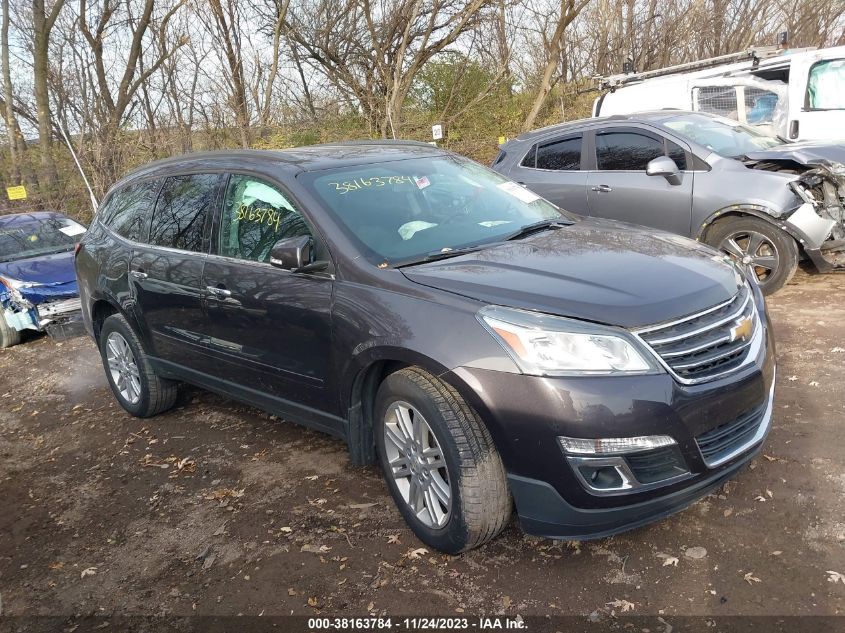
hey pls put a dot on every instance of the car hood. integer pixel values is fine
(804, 153)
(53, 275)
(595, 270)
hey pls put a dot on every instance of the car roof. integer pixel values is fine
(293, 160)
(650, 116)
(17, 219)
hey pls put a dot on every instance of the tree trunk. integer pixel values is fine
(568, 12)
(42, 25)
(11, 122)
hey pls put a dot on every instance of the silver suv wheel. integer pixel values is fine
(123, 368)
(417, 464)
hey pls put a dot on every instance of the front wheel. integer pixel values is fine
(771, 254)
(439, 461)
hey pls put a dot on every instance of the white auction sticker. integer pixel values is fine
(72, 228)
(519, 192)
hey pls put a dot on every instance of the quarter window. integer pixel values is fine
(128, 209)
(626, 151)
(181, 210)
(256, 215)
(562, 155)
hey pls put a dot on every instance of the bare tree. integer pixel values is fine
(569, 10)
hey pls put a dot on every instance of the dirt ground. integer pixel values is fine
(216, 508)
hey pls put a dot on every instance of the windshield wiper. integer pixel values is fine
(446, 253)
(535, 227)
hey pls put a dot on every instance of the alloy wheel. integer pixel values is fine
(123, 368)
(417, 464)
(754, 250)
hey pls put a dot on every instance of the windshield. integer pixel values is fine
(403, 211)
(38, 237)
(826, 85)
(723, 136)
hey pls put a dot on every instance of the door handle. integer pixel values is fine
(221, 293)
(603, 188)
(138, 274)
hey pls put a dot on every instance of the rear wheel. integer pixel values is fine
(771, 254)
(8, 335)
(136, 386)
(439, 462)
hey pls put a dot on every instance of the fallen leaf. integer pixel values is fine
(315, 549)
(624, 605)
(312, 602)
(814, 383)
(506, 601)
(750, 578)
(291, 591)
(312, 477)
(416, 553)
(58, 565)
(728, 512)
(835, 576)
(792, 378)
(393, 539)
(88, 571)
(224, 493)
(668, 559)
(371, 606)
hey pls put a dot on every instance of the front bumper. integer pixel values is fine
(527, 414)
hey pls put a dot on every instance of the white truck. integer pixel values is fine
(796, 94)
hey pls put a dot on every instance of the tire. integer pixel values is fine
(134, 383)
(755, 241)
(479, 502)
(8, 335)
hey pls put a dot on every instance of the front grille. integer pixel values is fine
(707, 344)
(656, 465)
(719, 443)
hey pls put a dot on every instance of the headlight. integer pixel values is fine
(545, 345)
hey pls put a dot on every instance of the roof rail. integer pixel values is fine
(754, 55)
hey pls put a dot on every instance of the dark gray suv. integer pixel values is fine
(485, 347)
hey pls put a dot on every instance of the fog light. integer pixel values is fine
(603, 477)
(613, 445)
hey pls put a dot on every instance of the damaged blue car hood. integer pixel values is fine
(54, 274)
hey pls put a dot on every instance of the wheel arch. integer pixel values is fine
(753, 210)
(371, 368)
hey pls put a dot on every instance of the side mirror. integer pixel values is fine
(291, 253)
(294, 254)
(666, 167)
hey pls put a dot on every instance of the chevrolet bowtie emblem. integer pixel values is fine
(742, 329)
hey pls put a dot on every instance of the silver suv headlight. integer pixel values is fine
(545, 345)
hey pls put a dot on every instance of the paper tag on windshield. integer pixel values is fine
(72, 229)
(521, 193)
(422, 182)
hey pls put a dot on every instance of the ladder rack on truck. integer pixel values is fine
(754, 55)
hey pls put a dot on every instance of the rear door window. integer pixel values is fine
(561, 155)
(626, 151)
(255, 216)
(181, 211)
(127, 211)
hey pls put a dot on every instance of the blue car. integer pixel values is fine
(37, 280)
